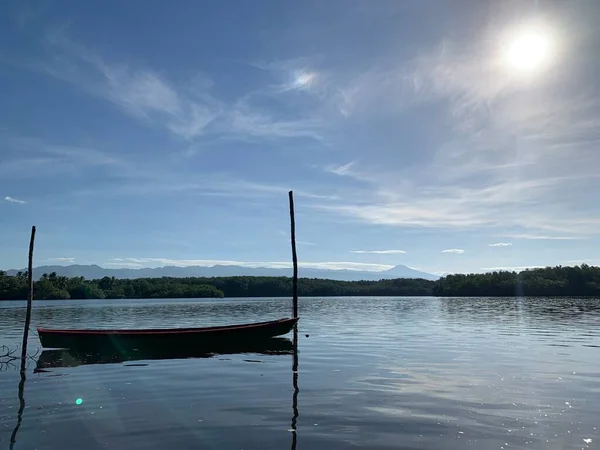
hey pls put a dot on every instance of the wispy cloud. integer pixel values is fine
(64, 259)
(128, 174)
(308, 244)
(501, 244)
(589, 261)
(140, 92)
(542, 237)
(336, 265)
(454, 250)
(295, 74)
(149, 96)
(345, 169)
(379, 252)
(302, 79)
(250, 124)
(124, 265)
(508, 157)
(14, 200)
(31, 157)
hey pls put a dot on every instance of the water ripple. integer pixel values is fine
(377, 373)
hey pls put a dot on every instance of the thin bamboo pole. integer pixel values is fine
(29, 302)
(21, 391)
(294, 256)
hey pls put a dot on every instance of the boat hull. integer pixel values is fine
(157, 339)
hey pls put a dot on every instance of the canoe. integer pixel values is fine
(164, 339)
(50, 359)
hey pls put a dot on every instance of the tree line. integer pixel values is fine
(569, 281)
(581, 280)
(53, 286)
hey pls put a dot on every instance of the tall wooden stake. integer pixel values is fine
(13, 436)
(29, 301)
(294, 255)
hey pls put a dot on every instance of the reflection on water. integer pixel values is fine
(377, 373)
(21, 397)
(72, 358)
(296, 390)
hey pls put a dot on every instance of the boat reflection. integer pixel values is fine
(71, 358)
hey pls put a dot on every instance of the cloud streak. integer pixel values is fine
(150, 97)
(501, 244)
(542, 237)
(516, 156)
(458, 251)
(379, 252)
(14, 200)
(336, 265)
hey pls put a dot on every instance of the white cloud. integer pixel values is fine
(517, 155)
(31, 157)
(342, 170)
(501, 244)
(250, 124)
(588, 261)
(14, 200)
(337, 265)
(37, 158)
(440, 273)
(189, 110)
(63, 259)
(309, 244)
(514, 155)
(141, 92)
(296, 74)
(124, 265)
(454, 250)
(301, 79)
(542, 237)
(157, 180)
(380, 252)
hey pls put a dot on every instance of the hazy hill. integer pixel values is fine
(95, 272)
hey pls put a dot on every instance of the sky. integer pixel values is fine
(151, 133)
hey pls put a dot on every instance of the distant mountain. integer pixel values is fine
(94, 272)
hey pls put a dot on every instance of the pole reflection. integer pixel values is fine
(21, 395)
(296, 390)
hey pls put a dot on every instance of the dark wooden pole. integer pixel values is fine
(13, 436)
(294, 255)
(29, 301)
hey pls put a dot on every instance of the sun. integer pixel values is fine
(529, 49)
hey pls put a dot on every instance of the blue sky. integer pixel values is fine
(149, 133)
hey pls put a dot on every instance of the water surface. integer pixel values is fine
(377, 373)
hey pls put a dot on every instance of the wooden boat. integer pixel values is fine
(174, 339)
(50, 359)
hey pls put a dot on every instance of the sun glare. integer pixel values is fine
(529, 49)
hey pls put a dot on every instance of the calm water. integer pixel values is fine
(377, 373)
